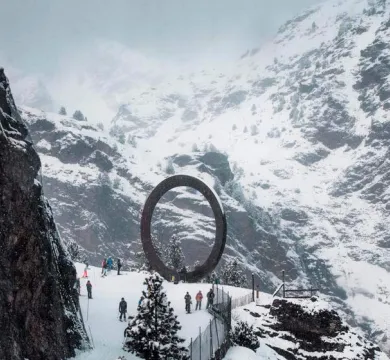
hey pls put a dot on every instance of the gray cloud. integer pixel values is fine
(36, 35)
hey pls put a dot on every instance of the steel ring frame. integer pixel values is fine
(220, 221)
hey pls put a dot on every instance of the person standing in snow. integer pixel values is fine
(198, 298)
(104, 268)
(187, 299)
(210, 298)
(122, 309)
(119, 265)
(109, 263)
(89, 289)
(104, 265)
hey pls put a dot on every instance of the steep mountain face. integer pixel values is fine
(39, 309)
(295, 138)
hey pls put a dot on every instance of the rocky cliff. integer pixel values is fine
(306, 329)
(39, 309)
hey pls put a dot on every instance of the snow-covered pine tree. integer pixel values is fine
(174, 254)
(232, 274)
(153, 333)
(243, 335)
(78, 115)
(62, 111)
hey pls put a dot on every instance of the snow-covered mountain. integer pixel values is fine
(295, 138)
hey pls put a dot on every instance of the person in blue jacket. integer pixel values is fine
(110, 263)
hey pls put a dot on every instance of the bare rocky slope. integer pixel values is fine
(39, 309)
(295, 138)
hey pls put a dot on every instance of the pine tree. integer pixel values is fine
(78, 115)
(233, 275)
(153, 332)
(196, 264)
(62, 111)
(243, 335)
(174, 254)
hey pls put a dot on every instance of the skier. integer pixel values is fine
(109, 263)
(187, 298)
(104, 267)
(85, 274)
(89, 289)
(198, 298)
(210, 298)
(119, 265)
(122, 309)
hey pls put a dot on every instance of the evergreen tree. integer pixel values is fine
(196, 264)
(62, 111)
(174, 254)
(232, 274)
(210, 279)
(243, 335)
(153, 332)
(169, 169)
(78, 115)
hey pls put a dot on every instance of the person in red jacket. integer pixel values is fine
(198, 298)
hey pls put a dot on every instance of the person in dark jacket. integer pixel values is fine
(119, 265)
(122, 309)
(89, 289)
(187, 299)
(210, 298)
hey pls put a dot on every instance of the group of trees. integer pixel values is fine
(171, 254)
(232, 274)
(77, 115)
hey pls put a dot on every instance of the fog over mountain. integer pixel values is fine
(63, 46)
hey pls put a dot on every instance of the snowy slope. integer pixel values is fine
(101, 313)
(101, 318)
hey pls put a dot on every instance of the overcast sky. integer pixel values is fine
(35, 35)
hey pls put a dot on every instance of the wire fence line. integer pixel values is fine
(214, 341)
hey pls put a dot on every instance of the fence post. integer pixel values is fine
(284, 286)
(200, 343)
(191, 349)
(253, 287)
(216, 331)
(211, 341)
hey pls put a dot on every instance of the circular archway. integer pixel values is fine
(220, 221)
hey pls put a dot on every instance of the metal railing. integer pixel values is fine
(242, 301)
(213, 342)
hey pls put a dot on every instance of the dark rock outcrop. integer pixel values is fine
(309, 330)
(39, 310)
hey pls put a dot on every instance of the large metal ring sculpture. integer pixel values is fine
(220, 221)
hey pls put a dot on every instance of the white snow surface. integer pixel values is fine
(101, 315)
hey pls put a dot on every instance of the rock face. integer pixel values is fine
(307, 329)
(39, 309)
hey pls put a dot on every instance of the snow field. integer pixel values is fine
(101, 315)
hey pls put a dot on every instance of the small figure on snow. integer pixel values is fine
(187, 299)
(119, 265)
(122, 309)
(104, 267)
(198, 298)
(85, 274)
(89, 289)
(110, 263)
(210, 298)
